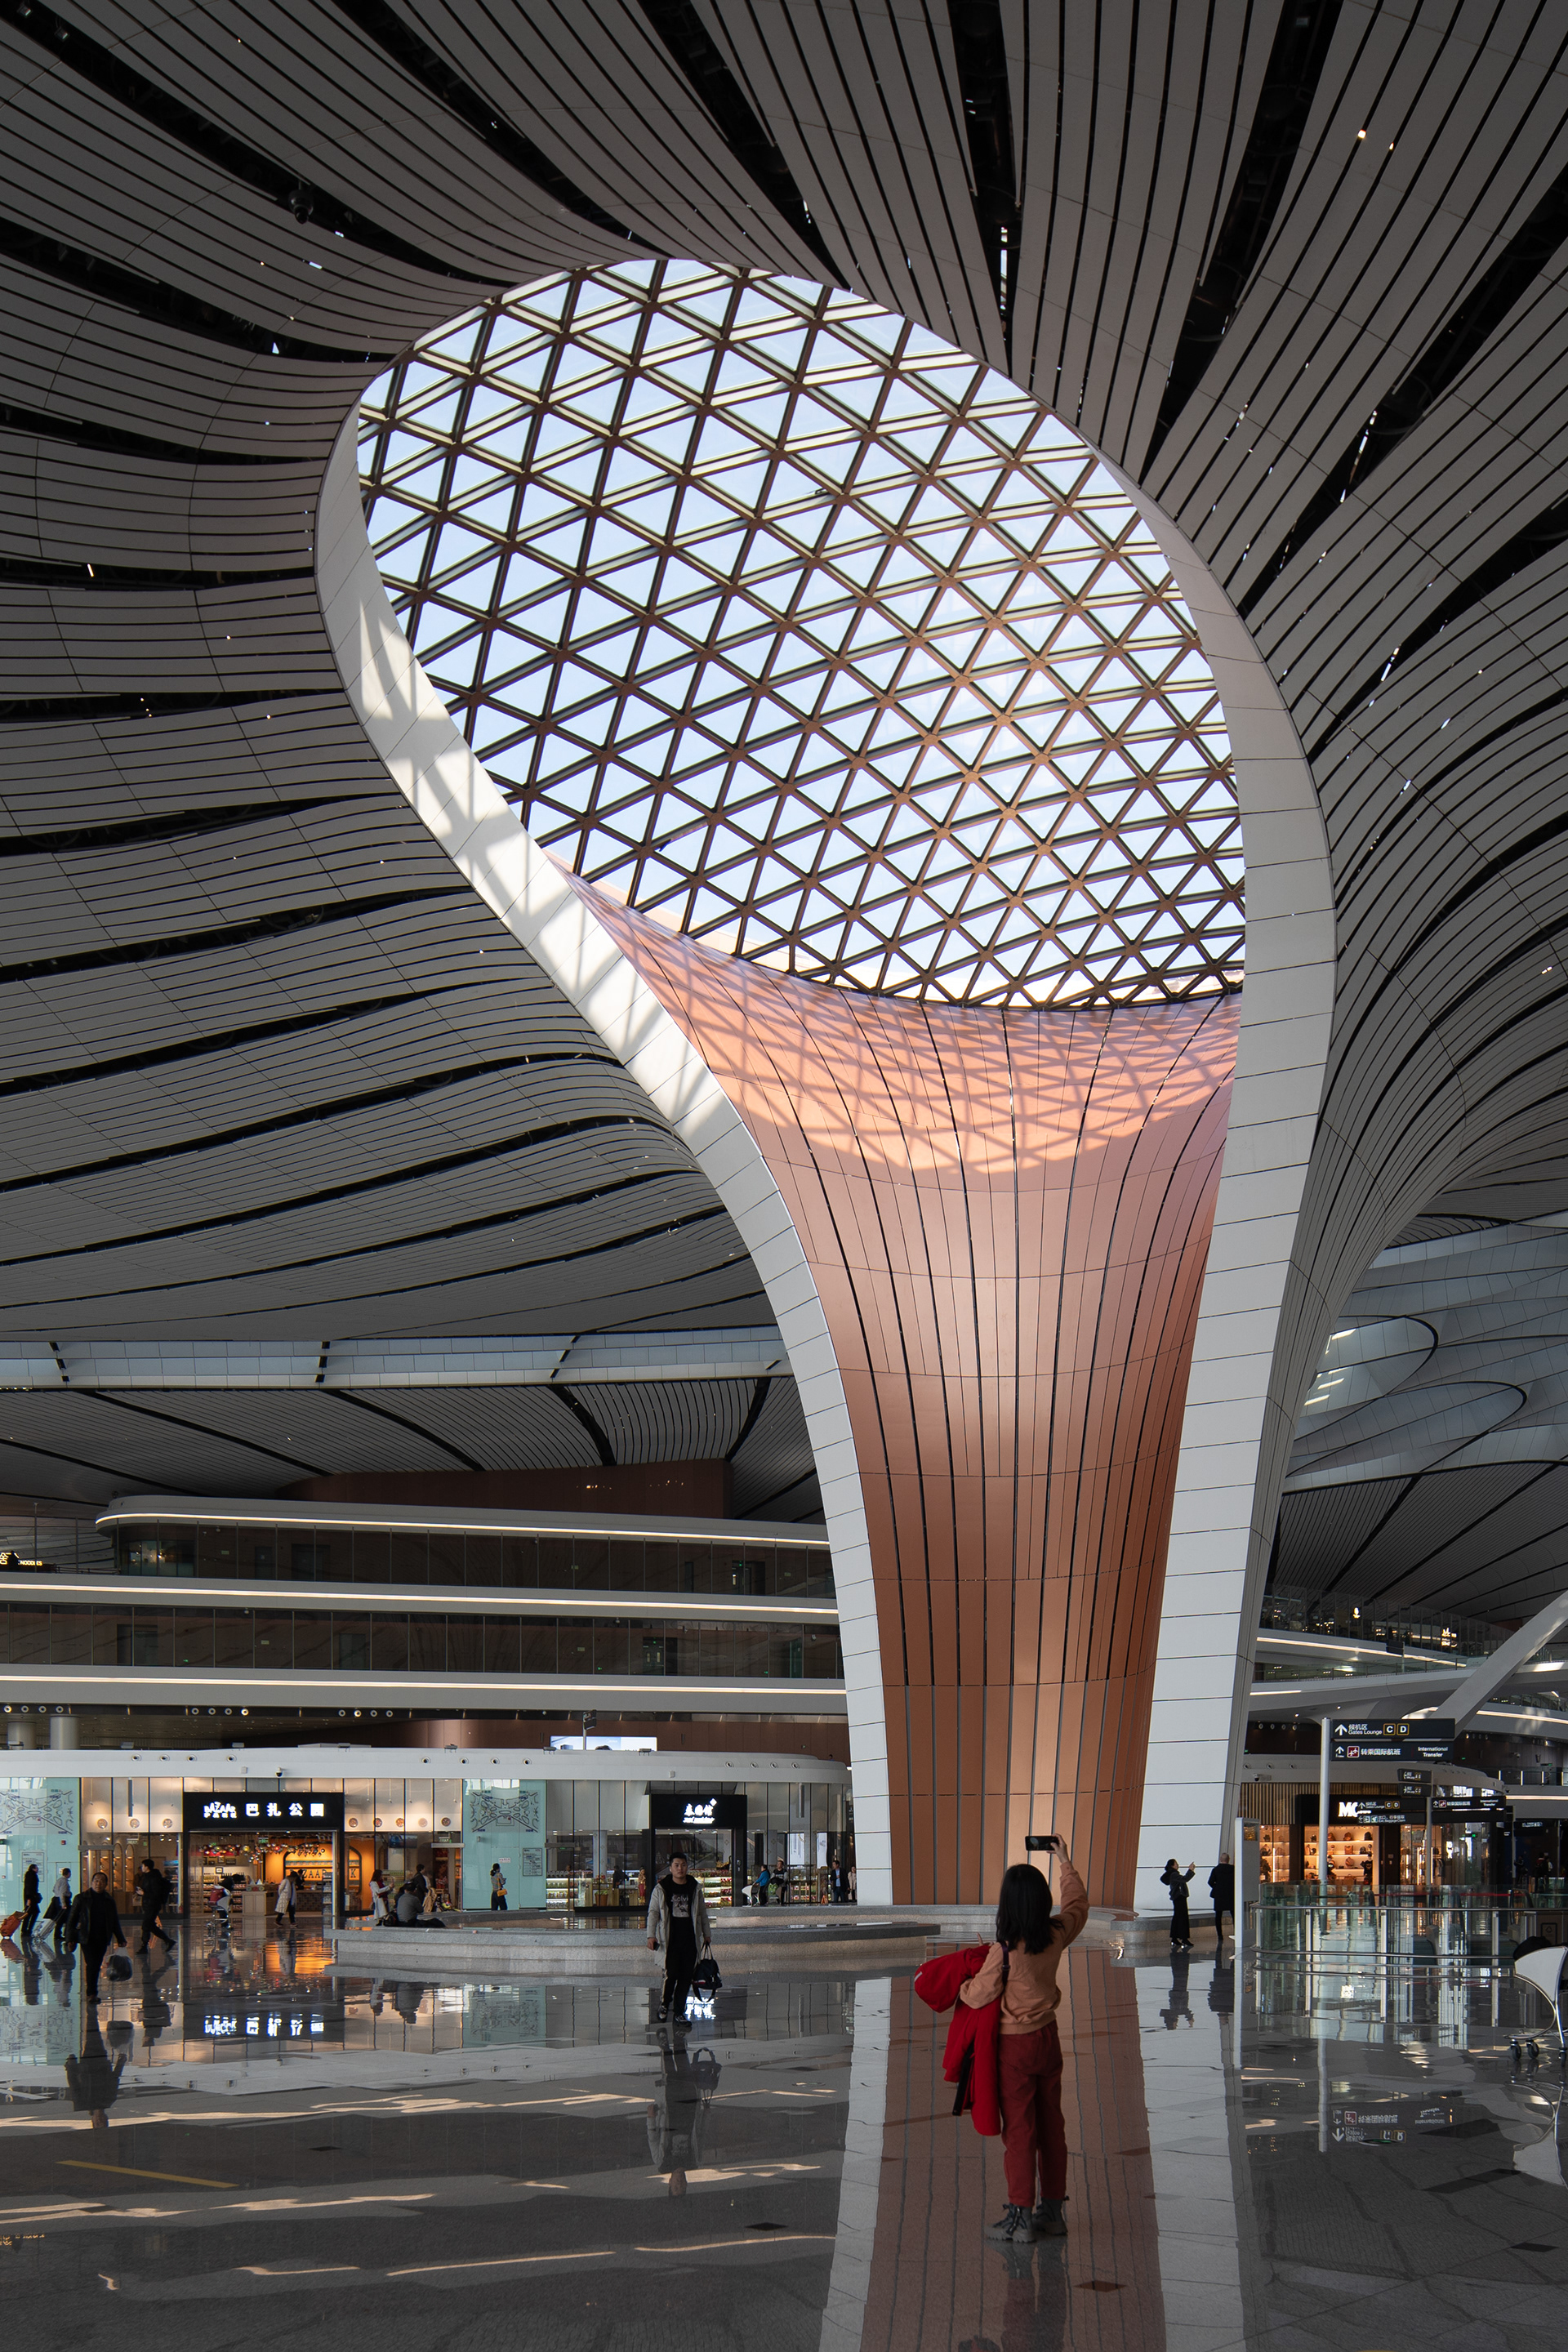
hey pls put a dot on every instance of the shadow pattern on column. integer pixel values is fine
(1007, 1216)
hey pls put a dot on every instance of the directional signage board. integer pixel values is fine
(1398, 1739)
(1460, 1804)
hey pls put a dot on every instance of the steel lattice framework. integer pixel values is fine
(789, 625)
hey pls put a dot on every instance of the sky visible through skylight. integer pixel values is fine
(792, 627)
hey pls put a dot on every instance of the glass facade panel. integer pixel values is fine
(312, 1639)
(625, 1565)
(217, 1550)
(372, 1556)
(70, 1637)
(591, 1563)
(30, 1634)
(388, 1813)
(428, 1645)
(410, 1560)
(520, 1560)
(445, 1557)
(389, 1644)
(233, 1637)
(152, 1639)
(310, 1558)
(556, 1559)
(448, 1820)
(176, 1553)
(537, 1647)
(351, 1644)
(661, 1566)
(273, 1639)
(503, 1650)
(695, 1569)
(575, 1646)
(193, 1637)
(256, 1552)
(359, 1807)
(610, 1640)
(481, 1560)
(465, 1644)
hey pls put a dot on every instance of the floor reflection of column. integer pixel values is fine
(1186, 2052)
(935, 2284)
(860, 2183)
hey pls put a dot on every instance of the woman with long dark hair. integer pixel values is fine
(1181, 1918)
(1021, 1967)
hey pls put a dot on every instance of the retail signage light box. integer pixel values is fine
(234, 1812)
(1399, 1739)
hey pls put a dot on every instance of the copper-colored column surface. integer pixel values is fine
(1006, 1215)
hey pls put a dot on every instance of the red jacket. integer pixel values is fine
(938, 1984)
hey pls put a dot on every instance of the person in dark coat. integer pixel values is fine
(1178, 1882)
(32, 1899)
(153, 1890)
(1222, 1894)
(93, 1926)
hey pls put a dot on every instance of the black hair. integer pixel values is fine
(678, 1853)
(1024, 1913)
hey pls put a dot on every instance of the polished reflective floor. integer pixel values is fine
(245, 2146)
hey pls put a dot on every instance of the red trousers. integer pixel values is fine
(1032, 2130)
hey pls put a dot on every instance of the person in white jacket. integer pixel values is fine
(677, 1920)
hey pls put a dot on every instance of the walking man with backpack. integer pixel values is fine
(676, 1920)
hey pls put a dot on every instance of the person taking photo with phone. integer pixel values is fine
(1021, 1967)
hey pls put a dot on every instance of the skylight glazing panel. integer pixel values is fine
(882, 682)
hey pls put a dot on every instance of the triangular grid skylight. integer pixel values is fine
(792, 627)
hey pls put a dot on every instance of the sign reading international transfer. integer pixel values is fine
(236, 1811)
(1427, 1739)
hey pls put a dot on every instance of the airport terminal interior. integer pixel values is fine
(783, 1067)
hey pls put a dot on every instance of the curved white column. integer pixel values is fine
(1241, 1405)
(450, 791)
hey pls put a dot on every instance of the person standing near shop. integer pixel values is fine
(498, 1888)
(31, 1900)
(283, 1908)
(93, 1926)
(678, 1920)
(1181, 1922)
(764, 1880)
(1020, 1970)
(1222, 1894)
(152, 1888)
